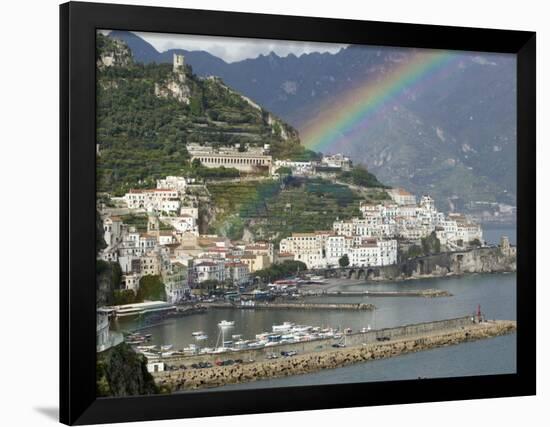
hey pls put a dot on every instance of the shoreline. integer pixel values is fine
(217, 376)
(332, 282)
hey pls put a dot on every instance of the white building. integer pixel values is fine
(297, 168)
(251, 159)
(402, 196)
(160, 199)
(238, 272)
(209, 270)
(373, 252)
(178, 183)
(337, 161)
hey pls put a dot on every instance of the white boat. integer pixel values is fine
(166, 347)
(201, 337)
(197, 333)
(224, 323)
(301, 328)
(286, 326)
(146, 347)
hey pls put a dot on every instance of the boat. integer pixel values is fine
(146, 347)
(224, 323)
(166, 347)
(201, 337)
(236, 337)
(286, 326)
(197, 333)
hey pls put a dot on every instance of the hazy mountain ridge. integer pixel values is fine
(454, 137)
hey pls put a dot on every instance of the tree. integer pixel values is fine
(151, 288)
(124, 296)
(209, 286)
(431, 244)
(414, 251)
(344, 261)
(475, 243)
(284, 170)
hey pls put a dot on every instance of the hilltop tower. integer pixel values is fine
(178, 63)
(153, 224)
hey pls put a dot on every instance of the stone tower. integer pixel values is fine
(153, 225)
(178, 63)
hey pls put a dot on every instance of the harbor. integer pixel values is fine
(297, 359)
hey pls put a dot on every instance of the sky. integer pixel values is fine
(232, 49)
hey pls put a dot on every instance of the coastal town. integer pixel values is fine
(229, 252)
(171, 246)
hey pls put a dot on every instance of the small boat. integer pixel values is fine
(197, 333)
(224, 323)
(201, 337)
(146, 347)
(236, 337)
(286, 326)
(347, 331)
(166, 347)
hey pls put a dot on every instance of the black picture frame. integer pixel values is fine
(78, 25)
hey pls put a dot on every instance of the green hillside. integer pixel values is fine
(274, 210)
(143, 135)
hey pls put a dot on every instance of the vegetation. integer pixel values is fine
(151, 288)
(122, 372)
(143, 137)
(475, 243)
(279, 271)
(139, 221)
(344, 261)
(428, 246)
(361, 177)
(431, 244)
(124, 296)
(271, 210)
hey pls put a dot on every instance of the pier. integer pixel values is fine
(291, 306)
(426, 293)
(320, 354)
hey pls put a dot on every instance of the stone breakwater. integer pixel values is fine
(190, 379)
(426, 293)
(294, 306)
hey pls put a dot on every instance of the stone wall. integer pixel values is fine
(333, 358)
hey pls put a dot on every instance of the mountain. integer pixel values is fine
(148, 113)
(453, 136)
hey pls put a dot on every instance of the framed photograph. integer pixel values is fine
(267, 213)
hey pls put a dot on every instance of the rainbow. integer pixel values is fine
(353, 110)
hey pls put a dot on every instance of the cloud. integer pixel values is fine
(232, 49)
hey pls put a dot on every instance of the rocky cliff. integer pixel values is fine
(480, 260)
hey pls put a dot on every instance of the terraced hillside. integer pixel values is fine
(274, 210)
